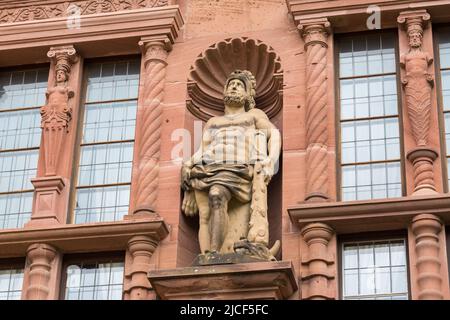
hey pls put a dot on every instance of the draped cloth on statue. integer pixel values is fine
(236, 177)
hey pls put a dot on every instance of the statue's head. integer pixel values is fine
(240, 89)
(415, 35)
(62, 72)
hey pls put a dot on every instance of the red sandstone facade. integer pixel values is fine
(184, 46)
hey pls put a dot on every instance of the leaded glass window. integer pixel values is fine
(369, 121)
(11, 280)
(106, 154)
(94, 281)
(374, 270)
(22, 93)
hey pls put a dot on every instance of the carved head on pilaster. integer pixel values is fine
(63, 57)
(414, 23)
(315, 31)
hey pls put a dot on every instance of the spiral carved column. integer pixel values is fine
(40, 257)
(315, 36)
(417, 83)
(317, 236)
(148, 131)
(426, 229)
(141, 249)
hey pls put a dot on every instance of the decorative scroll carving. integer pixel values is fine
(40, 258)
(418, 83)
(148, 141)
(57, 113)
(426, 228)
(317, 236)
(315, 36)
(212, 67)
(40, 12)
(141, 249)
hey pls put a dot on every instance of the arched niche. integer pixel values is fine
(205, 87)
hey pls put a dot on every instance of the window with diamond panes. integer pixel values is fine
(369, 121)
(374, 270)
(444, 58)
(94, 280)
(104, 173)
(22, 93)
(11, 280)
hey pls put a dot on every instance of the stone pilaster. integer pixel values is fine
(315, 33)
(144, 184)
(56, 115)
(426, 229)
(40, 259)
(140, 249)
(316, 280)
(418, 82)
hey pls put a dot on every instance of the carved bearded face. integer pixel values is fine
(415, 39)
(61, 76)
(236, 93)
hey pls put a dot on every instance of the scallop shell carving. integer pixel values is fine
(209, 72)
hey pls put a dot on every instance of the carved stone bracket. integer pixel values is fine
(417, 83)
(315, 33)
(141, 249)
(317, 261)
(40, 257)
(148, 127)
(426, 229)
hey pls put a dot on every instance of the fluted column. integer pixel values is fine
(315, 36)
(418, 82)
(141, 249)
(148, 126)
(40, 258)
(426, 229)
(317, 261)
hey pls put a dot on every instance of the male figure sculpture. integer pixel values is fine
(226, 179)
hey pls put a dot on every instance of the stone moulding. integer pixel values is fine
(339, 12)
(73, 238)
(126, 25)
(212, 67)
(373, 215)
(260, 280)
(19, 11)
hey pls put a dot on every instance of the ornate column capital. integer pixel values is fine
(315, 31)
(414, 20)
(40, 257)
(155, 49)
(63, 56)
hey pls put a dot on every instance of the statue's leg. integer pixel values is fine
(218, 204)
(204, 239)
(239, 215)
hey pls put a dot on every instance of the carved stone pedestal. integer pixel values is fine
(260, 280)
(47, 207)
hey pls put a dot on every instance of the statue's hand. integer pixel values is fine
(189, 206)
(268, 170)
(430, 78)
(185, 176)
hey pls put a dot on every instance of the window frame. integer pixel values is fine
(370, 237)
(437, 30)
(80, 126)
(90, 257)
(337, 93)
(14, 263)
(24, 68)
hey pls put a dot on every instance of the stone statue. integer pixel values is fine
(226, 180)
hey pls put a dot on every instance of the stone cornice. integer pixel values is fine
(73, 238)
(162, 22)
(352, 15)
(17, 11)
(373, 215)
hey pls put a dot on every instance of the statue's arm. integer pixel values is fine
(197, 156)
(272, 133)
